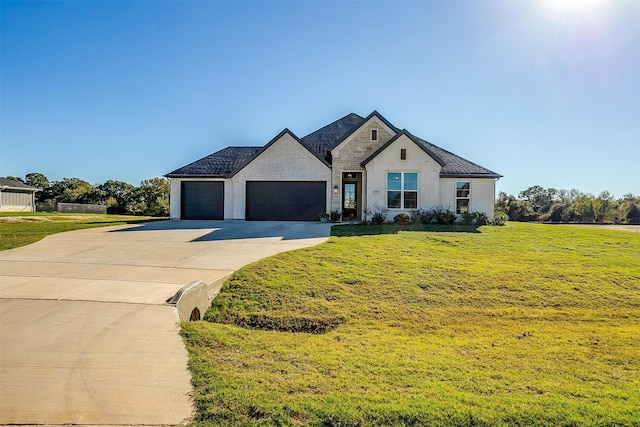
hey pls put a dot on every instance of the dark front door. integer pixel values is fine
(285, 200)
(351, 195)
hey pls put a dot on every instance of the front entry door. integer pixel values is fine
(351, 188)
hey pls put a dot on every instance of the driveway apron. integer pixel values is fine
(85, 334)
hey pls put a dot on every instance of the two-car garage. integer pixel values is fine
(264, 200)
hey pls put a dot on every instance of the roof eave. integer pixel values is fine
(470, 175)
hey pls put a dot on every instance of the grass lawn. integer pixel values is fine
(20, 229)
(520, 325)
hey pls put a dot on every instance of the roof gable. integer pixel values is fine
(229, 161)
(273, 141)
(321, 141)
(385, 122)
(404, 132)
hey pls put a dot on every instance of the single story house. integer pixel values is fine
(355, 165)
(16, 196)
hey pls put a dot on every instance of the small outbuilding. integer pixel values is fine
(16, 196)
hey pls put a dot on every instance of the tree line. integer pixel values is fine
(151, 197)
(550, 205)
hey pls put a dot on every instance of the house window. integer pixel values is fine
(374, 134)
(403, 154)
(402, 190)
(463, 196)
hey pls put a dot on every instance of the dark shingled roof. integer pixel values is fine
(227, 162)
(325, 138)
(16, 185)
(455, 165)
(219, 164)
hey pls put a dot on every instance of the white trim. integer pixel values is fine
(456, 198)
(402, 190)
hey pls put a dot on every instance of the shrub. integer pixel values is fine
(444, 216)
(379, 215)
(335, 216)
(426, 216)
(468, 217)
(499, 218)
(401, 219)
(415, 216)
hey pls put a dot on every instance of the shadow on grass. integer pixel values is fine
(370, 230)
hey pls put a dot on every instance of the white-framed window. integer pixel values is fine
(463, 196)
(402, 190)
(374, 134)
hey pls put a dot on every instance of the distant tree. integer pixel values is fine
(16, 178)
(117, 195)
(540, 199)
(604, 207)
(154, 194)
(584, 208)
(69, 190)
(36, 179)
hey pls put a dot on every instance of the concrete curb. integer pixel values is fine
(193, 300)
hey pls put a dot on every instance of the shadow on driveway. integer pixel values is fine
(238, 230)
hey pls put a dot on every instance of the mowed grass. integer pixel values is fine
(522, 325)
(20, 229)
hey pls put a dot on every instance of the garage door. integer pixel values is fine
(285, 200)
(202, 200)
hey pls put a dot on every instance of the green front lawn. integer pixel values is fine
(20, 229)
(517, 325)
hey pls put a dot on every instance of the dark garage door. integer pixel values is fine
(202, 200)
(285, 200)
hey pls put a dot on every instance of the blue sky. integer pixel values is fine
(543, 92)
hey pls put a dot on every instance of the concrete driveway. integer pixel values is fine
(86, 336)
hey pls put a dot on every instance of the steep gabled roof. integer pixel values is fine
(16, 185)
(227, 162)
(277, 137)
(219, 164)
(404, 132)
(324, 139)
(452, 164)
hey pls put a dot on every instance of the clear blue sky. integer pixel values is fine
(543, 92)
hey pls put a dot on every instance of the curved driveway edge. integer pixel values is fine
(85, 334)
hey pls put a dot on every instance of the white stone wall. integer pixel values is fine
(176, 193)
(389, 161)
(483, 191)
(347, 157)
(284, 160)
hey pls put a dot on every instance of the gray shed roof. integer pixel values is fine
(16, 185)
(228, 161)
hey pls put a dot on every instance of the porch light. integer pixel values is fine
(335, 189)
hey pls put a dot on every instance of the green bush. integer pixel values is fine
(499, 218)
(401, 219)
(443, 216)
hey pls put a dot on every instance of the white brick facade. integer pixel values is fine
(288, 158)
(285, 160)
(417, 160)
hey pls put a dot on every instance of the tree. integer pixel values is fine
(117, 195)
(540, 199)
(604, 207)
(16, 178)
(154, 193)
(36, 179)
